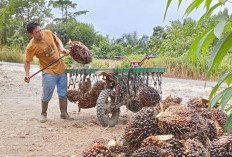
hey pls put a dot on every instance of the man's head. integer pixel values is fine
(34, 30)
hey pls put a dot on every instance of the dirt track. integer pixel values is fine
(23, 135)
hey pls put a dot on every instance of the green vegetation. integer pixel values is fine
(220, 34)
(11, 54)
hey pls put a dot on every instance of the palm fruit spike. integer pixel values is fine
(73, 95)
(183, 124)
(80, 52)
(158, 140)
(149, 152)
(149, 96)
(85, 86)
(141, 125)
(170, 101)
(97, 150)
(194, 148)
(221, 147)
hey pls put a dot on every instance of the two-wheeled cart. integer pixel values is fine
(133, 87)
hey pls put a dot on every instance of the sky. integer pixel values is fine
(117, 17)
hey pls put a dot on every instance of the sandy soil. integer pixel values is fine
(23, 135)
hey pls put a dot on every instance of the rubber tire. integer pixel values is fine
(104, 118)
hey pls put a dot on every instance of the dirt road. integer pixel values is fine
(23, 135)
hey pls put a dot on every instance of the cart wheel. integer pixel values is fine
(104, 114)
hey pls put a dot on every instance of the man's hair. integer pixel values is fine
(31, 26)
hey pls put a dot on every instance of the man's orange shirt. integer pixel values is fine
(46, 51)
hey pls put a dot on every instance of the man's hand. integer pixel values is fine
(65, 52)
(27, 79)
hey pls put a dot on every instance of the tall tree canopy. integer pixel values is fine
(15, 14)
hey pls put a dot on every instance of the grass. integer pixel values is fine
(11, 54)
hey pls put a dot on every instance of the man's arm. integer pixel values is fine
(61, 47)
(27, 71)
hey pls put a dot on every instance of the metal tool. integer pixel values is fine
(26, 78)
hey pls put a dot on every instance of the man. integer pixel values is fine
(44, 45)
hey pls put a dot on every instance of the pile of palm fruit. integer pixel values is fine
(171, 129)
(86, 95)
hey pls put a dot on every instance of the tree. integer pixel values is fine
(60, 30)
(159, 34)
(64, 5)
(81, 32)
(15, 14)
(223, 32)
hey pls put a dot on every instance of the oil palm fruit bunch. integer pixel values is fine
(212, 129)
(79, 52)
(86, 101)
(142, 125)
(183, 124)
(156, 141)
(195, 148)
(134, 104)
(149, 152)
(170, 101)
(89, 98)
(149, 96)
(73, 95)
(174, 148)
(97, 150)
(185, 148)
(221, 147)
(97, 88)
(218, 117)
(85, 85)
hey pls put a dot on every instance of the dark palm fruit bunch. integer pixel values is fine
(157, 141)
(89, 98)
(183, 124)
(141, 125)
(194, 148)
(212, 129)
(134, 105)
(121, 151)
(73, 95)
(86, 101)
(97, 150)
(221, 147)
(174, 147)
(149, 152)
(170, 101)
(85, 85)
(149, 96)
(80, 52)
(218, 117)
